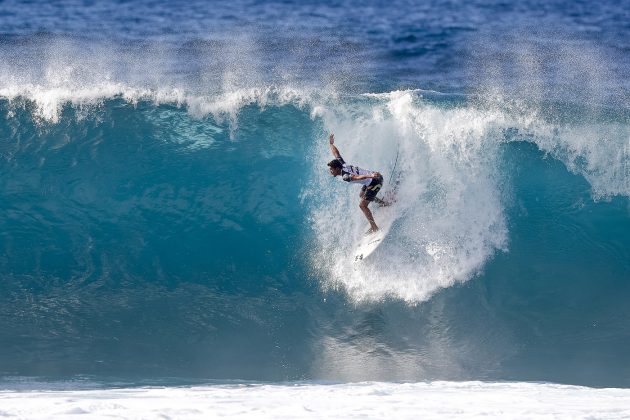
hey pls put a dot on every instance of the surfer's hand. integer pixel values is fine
(331, 139)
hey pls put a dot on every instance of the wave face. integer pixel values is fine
(166, 209)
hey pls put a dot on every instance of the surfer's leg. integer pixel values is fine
(369, 192)
(368, 214)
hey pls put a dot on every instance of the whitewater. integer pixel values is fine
(473, 400)
(172, 244)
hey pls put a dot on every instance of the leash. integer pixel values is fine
(395, 163)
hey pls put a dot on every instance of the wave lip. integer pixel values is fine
(49, 100)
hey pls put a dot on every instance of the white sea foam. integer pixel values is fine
(450, 210)
(450, 215)
(434, 400)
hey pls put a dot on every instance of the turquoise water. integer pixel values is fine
(166, 211)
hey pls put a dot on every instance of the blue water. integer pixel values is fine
(166, 212)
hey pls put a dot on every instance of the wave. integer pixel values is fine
(165, 208)
(207, 225)
(452, 198)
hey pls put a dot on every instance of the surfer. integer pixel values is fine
(372, 182)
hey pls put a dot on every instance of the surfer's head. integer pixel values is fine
(335, 167)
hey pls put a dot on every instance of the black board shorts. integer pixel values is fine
(368, 192)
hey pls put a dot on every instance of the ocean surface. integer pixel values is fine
(167, 217)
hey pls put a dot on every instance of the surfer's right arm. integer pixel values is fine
(366, 176)
(333, 148)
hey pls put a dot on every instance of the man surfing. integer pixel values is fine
(372, 182)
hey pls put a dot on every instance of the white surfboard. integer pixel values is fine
(368, 243)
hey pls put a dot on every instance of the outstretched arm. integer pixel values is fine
(359, 177)
(333, 148)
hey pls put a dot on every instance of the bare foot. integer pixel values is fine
(371, 231)
(382, 203)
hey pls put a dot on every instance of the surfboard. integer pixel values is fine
(367, 244)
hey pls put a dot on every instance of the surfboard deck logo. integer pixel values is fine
(373, 243)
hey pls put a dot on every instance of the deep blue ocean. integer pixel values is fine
(166, 213)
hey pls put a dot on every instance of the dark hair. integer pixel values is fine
(335, 164)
